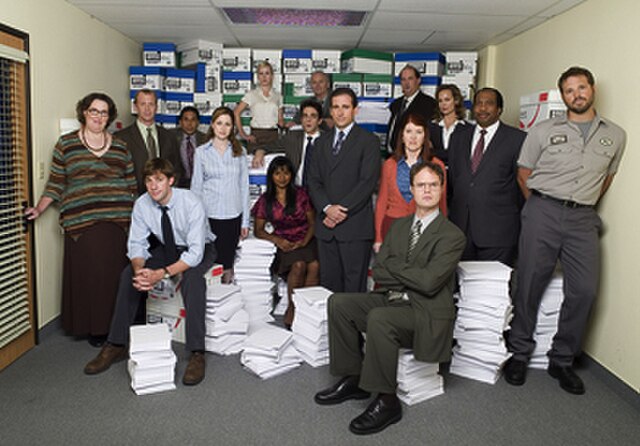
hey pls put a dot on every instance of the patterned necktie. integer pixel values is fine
(170, 248)
(151, 144)
(307, 160)
(190, 151)
(338, 145)
(478, 152)
(416, 230)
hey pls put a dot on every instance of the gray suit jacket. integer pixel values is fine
(427, 277)
(136, 144)
(347, 179)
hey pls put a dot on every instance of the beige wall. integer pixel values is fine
(603, 36)
(71, 55)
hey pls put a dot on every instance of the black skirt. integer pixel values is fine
(284, 260)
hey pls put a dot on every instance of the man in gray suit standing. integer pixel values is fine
(412, 308)
(147, 140)
(345, 168)
(188, 137)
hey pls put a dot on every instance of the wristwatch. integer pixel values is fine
(166, 273)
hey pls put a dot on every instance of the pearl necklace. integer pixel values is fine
(93, 149)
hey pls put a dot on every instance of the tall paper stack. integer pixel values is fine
(269, 352)
(310, 327)
(547, 326)
(417, 381)
(254, 257)
(484, 313)
(225, 320)
(151, 362)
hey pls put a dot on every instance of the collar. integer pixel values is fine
(346, 131)
(427, 220)
(412, 97)
(313, 135)
(491, 129)
(143, 127)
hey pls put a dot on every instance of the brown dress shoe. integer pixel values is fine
(195, 369)
(107, 356)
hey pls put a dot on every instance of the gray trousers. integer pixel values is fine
(388, 326)
(551, 232)
(194, 295)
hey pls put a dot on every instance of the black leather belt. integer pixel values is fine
(561, 202)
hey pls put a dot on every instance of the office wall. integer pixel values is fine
(71, 55)
(601, 35)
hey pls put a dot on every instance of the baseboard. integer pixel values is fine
(619, 387)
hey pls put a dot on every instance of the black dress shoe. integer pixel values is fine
(381, 413)
(569, 381)
(515, 372)
(97, 341)
(345, 389)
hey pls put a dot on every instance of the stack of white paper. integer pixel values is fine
(151, 362)
(252, 274)
(373, 112)
(547, 326)
(269, 352)
(484, 313)
(417, 381)
(225, 320)
(310, 327)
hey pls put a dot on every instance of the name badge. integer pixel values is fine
(606, 141)
(558, 139)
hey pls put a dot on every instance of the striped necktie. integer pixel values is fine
(416, 230)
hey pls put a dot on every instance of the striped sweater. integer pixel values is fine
(91, 189)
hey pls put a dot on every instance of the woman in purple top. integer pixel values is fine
(289, 210)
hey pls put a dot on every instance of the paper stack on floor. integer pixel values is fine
(252, 274)
(151, 362)
(310, 326)
(417, 381)
(280, 306)
(547, 326)
(269, 352)
(226, 321)
(484, 313)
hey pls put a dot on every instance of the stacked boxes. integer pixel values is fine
(297, 66)
(325, 60)
(460, 70)
(159, 55)
(364, 61)
(540, 106)
(429, 65)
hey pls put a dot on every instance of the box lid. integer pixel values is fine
(175, 72)
(404, 57)
(226, 98)
(381, 78)
(236, 75)
(296, 54)
(367, 54)
(424, 80)
(146, 70)
(347, 77)
(158, 46)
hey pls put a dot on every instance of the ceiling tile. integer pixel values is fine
(475, 7)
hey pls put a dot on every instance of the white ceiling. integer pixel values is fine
(405, 25)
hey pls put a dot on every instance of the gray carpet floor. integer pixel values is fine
(45, 399)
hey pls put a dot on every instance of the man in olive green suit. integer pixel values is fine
(412, 308)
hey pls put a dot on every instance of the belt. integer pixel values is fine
(561, 202)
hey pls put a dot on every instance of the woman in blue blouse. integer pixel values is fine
(221, 179)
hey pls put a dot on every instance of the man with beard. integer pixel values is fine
(565, 167)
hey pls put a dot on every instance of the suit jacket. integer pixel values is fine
(347, 179)
(291, 144)
(427, 277)
(422, 104)
(435, 135)
(486, 205)
(169, 150)
(201, 138)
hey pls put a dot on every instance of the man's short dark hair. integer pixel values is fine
(419, 167)
(344, 91)
(84, 104)
(145, 91)
(187, 109)
(158, 165)
(313, 104)
(411, 67)
(576, 71)
(499, 98)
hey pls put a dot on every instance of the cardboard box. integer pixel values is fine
(170, 313)
(206, 103)
(539, 106)
(158, 54)
(274, 57)
(427, 64)
(236, 59)
(464, 81)
(236, 82)
(151, 78)
(348, 80)
(377, 86)
(365, 61)
(458, 62)
(208, 78)
(327, 61)
(199, 51)
(174, 102)
(297, 85)
(179, 81)
(296, 61)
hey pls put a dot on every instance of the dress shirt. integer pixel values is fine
(410, 99)
(188, 220)
(298, 180)
(491, 131)
(403, 178)
(345, 130)
(222, 182)
(184, 156)
(427, 220)
(446, 132)
(144, 131)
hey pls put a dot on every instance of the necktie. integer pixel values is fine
(416, 230)
(151, 144)
(170, 248)
(338, 145)
(307, 160)
(403, 106)
(190, 151)
(476, 157)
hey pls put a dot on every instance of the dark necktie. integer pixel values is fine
(476, 157)
(170, 248)
(151, 144)
(416, 230)
(307, 160)
(403, 106)
(190, 151)
(338, 145)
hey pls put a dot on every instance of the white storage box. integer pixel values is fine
(174, 102)
(539, 106)
(327, 61)
(158, 54)
(151, 78)
(296, 61)
(301, 84)
(236, 83)
(179, 81)
(427, 64)
(461, 62)
(199, 51)
(236, 59)
(206, 103)
(274, 57)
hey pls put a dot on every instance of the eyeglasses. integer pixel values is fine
(427, 185)
(94, 113)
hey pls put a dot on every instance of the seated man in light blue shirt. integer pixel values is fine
(186, 248)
